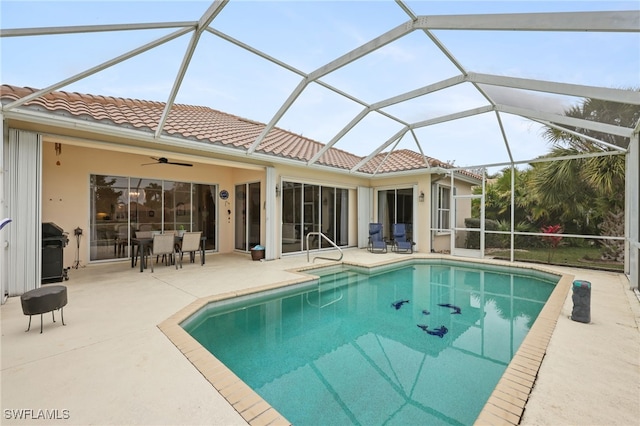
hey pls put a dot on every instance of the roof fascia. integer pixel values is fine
(171, 142)
(167, 142)
(614, 21)
(465, 178)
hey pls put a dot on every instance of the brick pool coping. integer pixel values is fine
(505, 406)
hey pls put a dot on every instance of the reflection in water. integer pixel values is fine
(340, 353)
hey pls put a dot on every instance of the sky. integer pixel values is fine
(309, 34)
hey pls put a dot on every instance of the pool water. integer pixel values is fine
(372, 347)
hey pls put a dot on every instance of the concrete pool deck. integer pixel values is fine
(111, 364)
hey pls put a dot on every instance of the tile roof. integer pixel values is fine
(207, 125)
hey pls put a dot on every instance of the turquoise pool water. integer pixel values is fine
(354, 346)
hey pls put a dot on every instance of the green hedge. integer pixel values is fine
(499, 240)
(491, 240)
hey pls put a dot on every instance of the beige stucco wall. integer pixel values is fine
(422, 214)
(66, 192)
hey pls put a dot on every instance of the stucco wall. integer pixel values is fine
(422, 214)
(66, 192)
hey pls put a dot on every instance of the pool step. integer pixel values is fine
(338, 279)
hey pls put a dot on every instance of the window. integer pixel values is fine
(442, 210)
(122, 205)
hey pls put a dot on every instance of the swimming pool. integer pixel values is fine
(344, 329)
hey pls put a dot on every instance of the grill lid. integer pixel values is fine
(50, 230)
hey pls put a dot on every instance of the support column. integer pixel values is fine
(272, 224)
(632, 217)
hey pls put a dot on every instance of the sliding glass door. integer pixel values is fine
(121, 206)
(310, 208)
(247, 216)
(395, 206)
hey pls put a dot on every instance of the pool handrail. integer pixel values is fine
(320, 234)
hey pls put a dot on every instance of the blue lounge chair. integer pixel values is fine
(400, 241)
(376, 238)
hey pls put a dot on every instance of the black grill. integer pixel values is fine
(54, 240)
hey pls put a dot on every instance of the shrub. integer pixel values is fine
(552, 239)
(491, 240)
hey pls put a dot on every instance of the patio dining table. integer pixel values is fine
(143, 243)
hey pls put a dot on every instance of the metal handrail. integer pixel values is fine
(329, 241)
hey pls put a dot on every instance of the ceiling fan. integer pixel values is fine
(164, 160)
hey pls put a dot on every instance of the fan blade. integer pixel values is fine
(164, 160)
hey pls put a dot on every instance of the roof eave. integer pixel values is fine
(164, 141)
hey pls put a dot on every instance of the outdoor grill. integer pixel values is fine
(54, 240)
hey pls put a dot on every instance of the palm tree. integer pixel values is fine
(583, 192)
(605, 175)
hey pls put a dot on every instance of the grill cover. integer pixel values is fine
(54, 239)
(51, 230)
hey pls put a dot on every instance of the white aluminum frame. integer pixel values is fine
(604, 21)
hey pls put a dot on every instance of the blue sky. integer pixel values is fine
(309, 34)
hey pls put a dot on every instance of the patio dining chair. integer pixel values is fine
(190, 244)
(377, 242)
(163, 244)
(142, 235)
(400, 241)
(121, 240)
